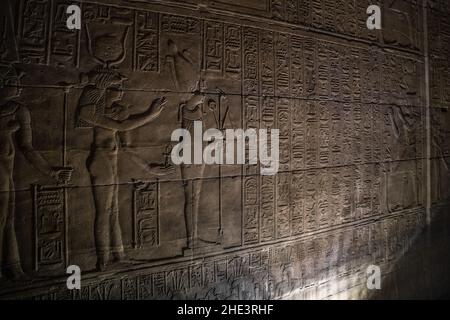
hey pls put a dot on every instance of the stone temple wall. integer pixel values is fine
(364, 145)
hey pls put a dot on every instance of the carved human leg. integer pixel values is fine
(115, 229)
(102, 199)
(4, 207)
(104, 190)
(9, 250)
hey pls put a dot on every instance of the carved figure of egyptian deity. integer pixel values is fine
(191, 109)
(401, 191)
(399, 24)
(99, 107)
(441, 166)
(15, 130)
(195, 110)
(209, 113)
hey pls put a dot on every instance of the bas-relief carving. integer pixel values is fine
(440, 154)
(214, 112)
(16, 136)
(100, 107)
(439, 44)
(404, 176)
(335, 153)
(402, 18)
(298, 270)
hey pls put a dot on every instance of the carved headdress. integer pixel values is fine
(107, 49)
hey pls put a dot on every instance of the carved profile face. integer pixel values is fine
(116, 111)
(114, 93)
(212, 105)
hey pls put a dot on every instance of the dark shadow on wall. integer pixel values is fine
(423, 272)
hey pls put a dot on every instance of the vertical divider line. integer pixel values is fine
(134, 223)
(49, 44)
(427, 110)
(243, 126)
(79, 35)
(35, 233)
(158, 211)
(134, 58)
(65, 193)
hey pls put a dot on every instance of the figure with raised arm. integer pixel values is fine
(100, 108)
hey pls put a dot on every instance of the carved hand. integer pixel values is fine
(157, 106)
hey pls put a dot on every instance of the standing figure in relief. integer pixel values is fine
(203, 224)
(399, 24)
(15, 131)
(403, 180)
(99, 107)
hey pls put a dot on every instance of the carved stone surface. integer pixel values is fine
(85, 139)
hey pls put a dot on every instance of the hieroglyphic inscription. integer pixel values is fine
(50, 227)
(251, 183)
(64, 42)
(146, 41)
(352, 139)
(146, 216)
(33, 31)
